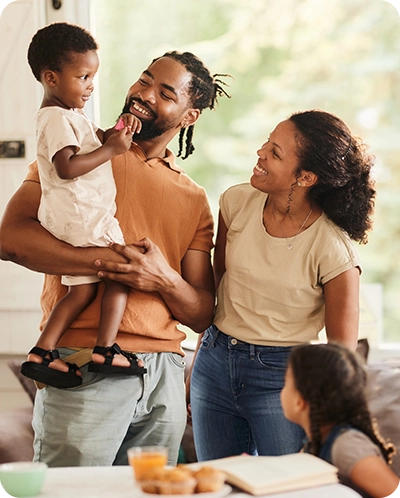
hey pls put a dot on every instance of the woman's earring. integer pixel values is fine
(298, 184)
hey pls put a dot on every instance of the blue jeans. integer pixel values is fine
(94, 424)
(235, 399)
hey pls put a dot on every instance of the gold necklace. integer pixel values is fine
(289, 245)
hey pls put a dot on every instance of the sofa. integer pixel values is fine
(16, 433)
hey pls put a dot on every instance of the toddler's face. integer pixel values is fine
(74, 83)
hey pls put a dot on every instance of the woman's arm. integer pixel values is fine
(342, 308)
(24, 241)
(374, 476)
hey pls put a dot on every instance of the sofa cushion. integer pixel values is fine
(384, 403)
(16, 435)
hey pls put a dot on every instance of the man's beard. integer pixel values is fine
(150, 127)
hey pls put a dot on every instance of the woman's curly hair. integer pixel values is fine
(332, 380)
(345, 189)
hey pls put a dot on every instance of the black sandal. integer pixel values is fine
(108, 368)
(41, 372)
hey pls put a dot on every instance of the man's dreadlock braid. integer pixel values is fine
(189, 143)
(204, 91)
(181, 134)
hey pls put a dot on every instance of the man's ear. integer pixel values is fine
(307, 179)
(190, 117)
(49, 77)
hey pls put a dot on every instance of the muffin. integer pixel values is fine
(151, 479)
(209, 479)
(177, 482)
(164, 481)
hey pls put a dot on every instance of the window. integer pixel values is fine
(285, 56)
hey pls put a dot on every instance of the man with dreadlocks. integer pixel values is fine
(168, 229)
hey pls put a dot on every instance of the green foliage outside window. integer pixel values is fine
(342, 56)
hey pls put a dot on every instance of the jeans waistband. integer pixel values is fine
(234, 343)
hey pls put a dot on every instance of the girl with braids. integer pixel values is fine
(284, 266)
(324, 393)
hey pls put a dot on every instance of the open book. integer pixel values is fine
(262, 475)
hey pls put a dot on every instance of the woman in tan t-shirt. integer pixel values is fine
(285, 266)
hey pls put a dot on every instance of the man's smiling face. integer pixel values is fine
(160, 97)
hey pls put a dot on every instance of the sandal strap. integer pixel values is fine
(111, 351)
(72, 367)
(115, 349)
(52, 353)
(104, 351)
(100, 350)
(131, 357)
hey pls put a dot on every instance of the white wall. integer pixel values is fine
(20, 97)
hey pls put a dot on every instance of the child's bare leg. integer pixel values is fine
(63, 314)
(112, 309)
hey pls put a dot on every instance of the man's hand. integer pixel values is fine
(189, 296)
(146, 269)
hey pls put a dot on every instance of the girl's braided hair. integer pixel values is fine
(332, 380)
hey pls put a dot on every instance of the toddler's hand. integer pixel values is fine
(129, 121)
(120, 125)
(120, 141)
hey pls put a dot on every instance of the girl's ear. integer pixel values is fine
(307, 179)
(49, 77)
(304, 416)
(302, 404)
(301, 407)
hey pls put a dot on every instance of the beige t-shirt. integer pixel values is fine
(349, 448)
(80, 210)
(268, 295)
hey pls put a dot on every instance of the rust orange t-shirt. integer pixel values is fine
(155, 199)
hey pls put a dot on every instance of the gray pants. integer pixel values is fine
(95, 423)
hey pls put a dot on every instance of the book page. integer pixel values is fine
(265, 474)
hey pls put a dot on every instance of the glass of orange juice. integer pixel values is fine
(144, 458)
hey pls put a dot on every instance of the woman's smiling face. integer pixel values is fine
(278, 161)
